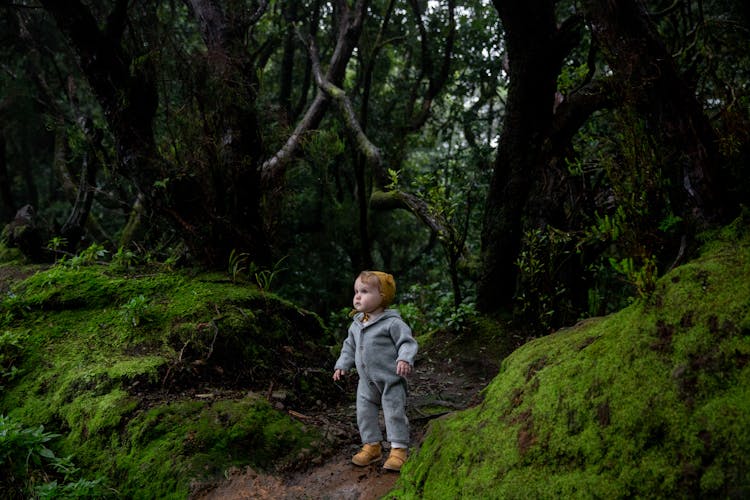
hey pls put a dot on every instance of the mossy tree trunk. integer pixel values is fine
(648, 80)
(6, 196)
(536, 48)
(214, 209)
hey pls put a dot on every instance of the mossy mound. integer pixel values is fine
(652, 402)
(158, 380)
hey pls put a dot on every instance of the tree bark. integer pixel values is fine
(536, 132)
(6, 195)
(649, 81)
(73, 229)
(534, 57)
(129, 101)
(288, 57)
(213, 209)
(225, 206)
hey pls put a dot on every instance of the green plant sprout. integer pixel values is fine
(265, 277)
(237, 264)
(135, 310)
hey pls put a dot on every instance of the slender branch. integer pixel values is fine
(259, 12)
(273, 167)
(436, 81)
(391, 200)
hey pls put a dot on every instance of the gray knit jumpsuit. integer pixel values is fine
(375, 348)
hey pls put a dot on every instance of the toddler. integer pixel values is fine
(381, 346)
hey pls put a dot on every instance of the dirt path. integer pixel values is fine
(440, 384)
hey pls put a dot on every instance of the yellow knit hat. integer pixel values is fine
(386, 282)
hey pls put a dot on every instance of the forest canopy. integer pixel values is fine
(545, 160)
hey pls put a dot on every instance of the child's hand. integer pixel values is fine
(403, 368)
(337, 374)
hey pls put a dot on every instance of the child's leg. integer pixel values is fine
(368, 404)
(394, 413)
(396, 424)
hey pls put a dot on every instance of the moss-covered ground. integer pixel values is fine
(651, 402)
(160, 380)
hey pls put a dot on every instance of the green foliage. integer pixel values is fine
(324, 146)
(94, 253)
(542, 302)
(12, 346)
(642, 278)
(20, 446)
(56, 244)
(393, 179)
(237, 264)
(123, 259)
(324, 227)
(633, 228)
(446, 158)
(135, 310)
(264, 278)
(30, 466)
(652, 401)
(81, 488)
(427, 308)
(640, 272)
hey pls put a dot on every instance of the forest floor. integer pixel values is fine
(447, 377)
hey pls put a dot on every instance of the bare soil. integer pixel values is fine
(448, 377)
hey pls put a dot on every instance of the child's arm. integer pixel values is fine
(346, 358)
(406, 346)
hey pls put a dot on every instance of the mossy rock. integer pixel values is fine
(157, 381)
(651, 402)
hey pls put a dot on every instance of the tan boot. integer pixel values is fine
(396, 459)
(370, 453)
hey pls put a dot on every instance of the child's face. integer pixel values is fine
(367, 296)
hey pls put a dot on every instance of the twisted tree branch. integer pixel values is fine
(350, 28)
(380, 199)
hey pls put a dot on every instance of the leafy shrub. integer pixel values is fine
(543, 302)
(30, 466)
(11, 349)
(135, 310)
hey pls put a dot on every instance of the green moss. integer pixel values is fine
(172, 445)
(10, 255)
(90, 415)
(110, 362)
(134, 367)
(653, 401)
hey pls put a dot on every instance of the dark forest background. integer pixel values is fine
(536, 161)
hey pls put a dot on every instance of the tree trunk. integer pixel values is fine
(288, 57)
(533, 137)
(129, 100)
(534, 63)
(214, 211)
(6, 194)
(73, 229)
(650, 82)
